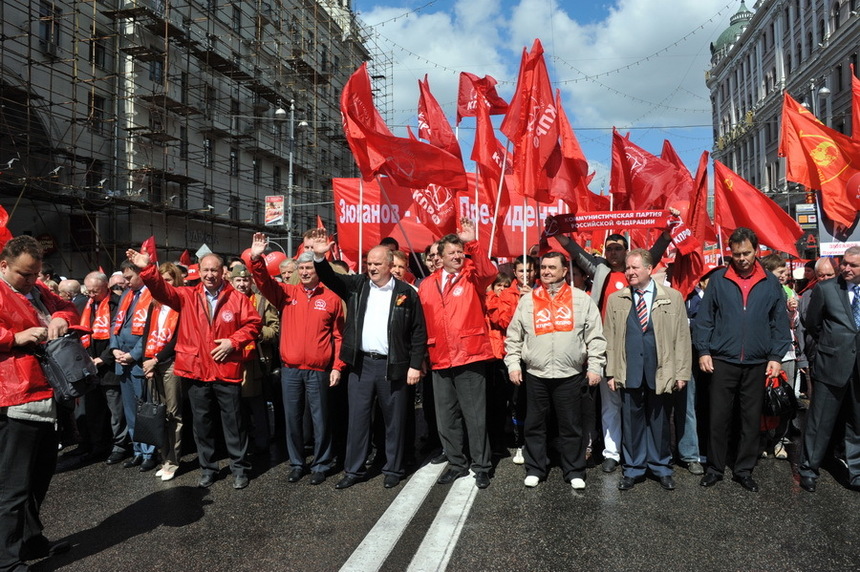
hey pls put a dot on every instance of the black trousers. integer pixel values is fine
(366, 381)
(565, 397)
(28, 457)
(746, 384)
(206, 398)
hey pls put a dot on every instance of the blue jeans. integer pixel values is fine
(685, 422)
(299, 385)
(131, 389)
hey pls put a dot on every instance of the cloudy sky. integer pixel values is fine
(638, 65)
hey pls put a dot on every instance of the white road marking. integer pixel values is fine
(439, 542)
(380, 541)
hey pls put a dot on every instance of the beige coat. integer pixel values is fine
(671, 333)
(557, 355)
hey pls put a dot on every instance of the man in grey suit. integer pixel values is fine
(833, 321)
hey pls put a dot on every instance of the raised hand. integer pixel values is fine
(139, 259)
(258, 245)
(321, 243)
(467, 230)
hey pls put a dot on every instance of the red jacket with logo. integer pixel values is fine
(234, 318)
(21, 377)
(314, 323)
(456, 325)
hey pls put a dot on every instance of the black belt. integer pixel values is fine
(374, 355)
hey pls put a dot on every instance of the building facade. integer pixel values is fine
(122, 120)
(803, 46)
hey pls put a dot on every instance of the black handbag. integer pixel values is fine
(779, 398)
(150, 426)
(68, 367)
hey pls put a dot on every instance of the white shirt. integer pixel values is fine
(374, 331)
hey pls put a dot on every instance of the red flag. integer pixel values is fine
(669, 154)
(737, 203)
(688, 269)
(5, 233)
(490, 157)
(568, 168)
(855, 105)
(320, 223)
(531, 123)
(408, 163)
(640, 180)
(185, 258)
(821, 158)
(432, 123)
(467, 98)
(148, 246)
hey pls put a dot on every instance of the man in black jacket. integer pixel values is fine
(384, 341)
(741, 335)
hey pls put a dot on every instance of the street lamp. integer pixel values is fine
(280, 115)
(823, 93)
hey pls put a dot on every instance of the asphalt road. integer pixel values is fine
(120, 519)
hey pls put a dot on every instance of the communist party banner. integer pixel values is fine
(411, 215)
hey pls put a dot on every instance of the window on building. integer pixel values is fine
(99, 50)
(97, 105)
(95, 174)
(208, 197)
(840, 78)
(836, 15)
(156, 71)
(822, 30)
(854, 63)
(257, 217)
(237, 17)
(50, 17)
(276, 179)
(257, 170)
(183, 88)
(236, 207)
(234, 161)
(183, 142)
(208, 152)
(210, 101)
(235, 112)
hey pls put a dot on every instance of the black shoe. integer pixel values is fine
(346, 482)
(240, 482)
(667, 483)
(206, 481)
(296, 475)
(808, 483)
(748, 483)
(710, 479)
(147, 465)
(626, 483)
(439, 459)
(391, 481)
(116, 457)
(451, 475)
(609, 465)
(317, 478)
(41, 547)
(482, 480)
(133, 462)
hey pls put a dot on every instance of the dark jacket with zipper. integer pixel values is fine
(745, 333)
(407, 334)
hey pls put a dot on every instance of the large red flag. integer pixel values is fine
(185, 258)
(408, 163)
(855, 105)
(490, 157)
(531, 123)
(432, 123)
(5, 233)
(688, 269)
(567, 167)
(737, 203)
(821, 158)
(467, 97)
(640, 180)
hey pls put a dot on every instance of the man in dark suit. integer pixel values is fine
(384, 341)
(833, 321)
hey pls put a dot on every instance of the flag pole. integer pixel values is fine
(525, 232)
(498, 201)
(360, 221)
(402, 230)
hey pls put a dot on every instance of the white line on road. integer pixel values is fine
(380, 541)
(439, 543)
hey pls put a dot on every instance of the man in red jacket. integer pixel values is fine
(30, 314)
(313, 315)
(216, 324)
(459, 346)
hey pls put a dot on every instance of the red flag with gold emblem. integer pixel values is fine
(821, 158)
(737, 203)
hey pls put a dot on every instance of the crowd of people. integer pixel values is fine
(568, 359)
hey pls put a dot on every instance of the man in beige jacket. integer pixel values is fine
(556, 333)
(649, 354)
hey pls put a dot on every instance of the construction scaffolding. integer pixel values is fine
(122, 120)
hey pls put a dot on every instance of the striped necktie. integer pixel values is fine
(855, 305)
(642, 310)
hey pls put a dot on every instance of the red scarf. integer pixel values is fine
(141, 312)
(158, 337)
(553, 314)
(101, 326)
